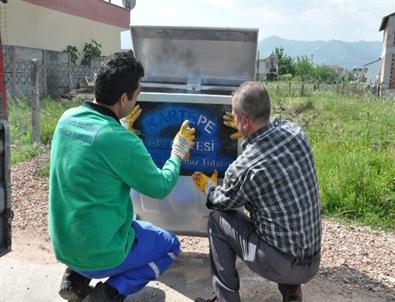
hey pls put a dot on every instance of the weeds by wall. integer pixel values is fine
(19, 115)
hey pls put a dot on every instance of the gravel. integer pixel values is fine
(352, 256)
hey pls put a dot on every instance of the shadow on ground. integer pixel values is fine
(148, 294)
(189, 278)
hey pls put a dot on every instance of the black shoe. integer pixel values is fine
(74, 287)
(291, 293)
(215, 299)
(104, 293)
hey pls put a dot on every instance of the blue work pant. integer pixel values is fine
(153, 251)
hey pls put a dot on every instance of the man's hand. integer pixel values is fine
(230, 122)
(132, 117)
(204, 182)
(183, 141)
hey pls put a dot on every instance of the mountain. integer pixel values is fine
(333, 52)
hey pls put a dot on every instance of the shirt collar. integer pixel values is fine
(101, 109)
(257, 135)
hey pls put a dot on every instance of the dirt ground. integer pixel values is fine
(358, 264)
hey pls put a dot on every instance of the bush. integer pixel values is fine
(74, 53)
(92, 50)
(285, 77)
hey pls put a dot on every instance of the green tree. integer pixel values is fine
(343, 77)
(286, 64)
(324, 73)
(91, 51)
(304, 68)
(74, 53)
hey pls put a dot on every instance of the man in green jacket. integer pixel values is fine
(94, 163)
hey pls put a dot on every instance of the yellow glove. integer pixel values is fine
(132, 117)
(183, 141)
(230, 122)
(204, 182)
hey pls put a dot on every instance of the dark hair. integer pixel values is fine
(252, 99)
(118, 74)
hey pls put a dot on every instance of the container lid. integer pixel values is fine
(196, 56)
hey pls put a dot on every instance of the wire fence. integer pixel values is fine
(298, 89)
(56, 73)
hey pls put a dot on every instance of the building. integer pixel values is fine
(52, 25)
(359, 74)
(267, 68)
(41, 30)
(387, 70)
(338, 69)
(373, 71)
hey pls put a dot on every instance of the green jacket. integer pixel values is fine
(94, 163)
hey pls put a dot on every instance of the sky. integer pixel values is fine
(347, 20)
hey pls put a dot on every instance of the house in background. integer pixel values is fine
(267, 68)
(359, 74)
(373, 71)
(52, 25)
(337, 68)
(387, 70)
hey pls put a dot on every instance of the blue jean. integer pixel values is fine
(153, 251)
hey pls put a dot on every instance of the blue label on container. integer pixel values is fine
(213, 149)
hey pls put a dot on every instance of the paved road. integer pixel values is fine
(33, 281)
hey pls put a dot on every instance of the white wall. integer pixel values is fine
(29, 25)
(388, 51)
(373, 72)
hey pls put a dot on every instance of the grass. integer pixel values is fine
(353, 141)
(19, 112)
(43, 170)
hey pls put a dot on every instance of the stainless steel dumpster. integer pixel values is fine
(190, 74)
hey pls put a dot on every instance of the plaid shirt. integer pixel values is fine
(274, 178)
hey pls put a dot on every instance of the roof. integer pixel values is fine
(96, 10)
(267, 57)
(384, 21)
(360, 69)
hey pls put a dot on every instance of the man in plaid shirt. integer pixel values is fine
(274, 179)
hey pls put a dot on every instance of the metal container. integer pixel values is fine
(190, 74)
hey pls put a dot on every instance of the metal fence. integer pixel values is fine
(57, 75)
(296, 89)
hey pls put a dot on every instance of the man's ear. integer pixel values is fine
(244, 122)
(123, 98)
